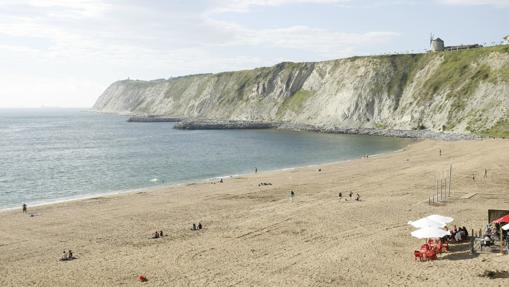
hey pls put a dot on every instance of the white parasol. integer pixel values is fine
(440, 218)
(426, 222)
(430, 232)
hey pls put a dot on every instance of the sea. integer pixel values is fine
(54, 155)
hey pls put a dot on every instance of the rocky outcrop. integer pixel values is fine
(153, 119)
(459, 92)
(223, 125)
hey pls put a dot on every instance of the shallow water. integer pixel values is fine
(48, 155)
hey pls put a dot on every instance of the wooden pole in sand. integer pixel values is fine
(445, 188)
(501, 240)
(450, 179)
(441, 188)
(437, 185)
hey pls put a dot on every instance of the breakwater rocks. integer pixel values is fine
(221, 125)
(227, 124)
(152, 119)
(418, 134)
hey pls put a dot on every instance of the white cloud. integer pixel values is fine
(73, 8)
(498, 3)
(302, 38)
(68, 50)
(245, 5)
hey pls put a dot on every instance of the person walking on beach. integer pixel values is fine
(485, 173)
(440, 152)
(292, 195)
(24, 208)
(256, 170)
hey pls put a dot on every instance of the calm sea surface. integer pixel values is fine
(48, 155)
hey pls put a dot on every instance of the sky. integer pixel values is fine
(65, 53)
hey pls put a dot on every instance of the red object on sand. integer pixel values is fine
(418, 255)
(504, 219)
(142, 278)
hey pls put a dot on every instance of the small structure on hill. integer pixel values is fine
(506, 39)
(438, 45)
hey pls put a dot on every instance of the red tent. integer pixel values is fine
(504, 219)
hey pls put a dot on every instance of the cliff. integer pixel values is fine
(462, 92)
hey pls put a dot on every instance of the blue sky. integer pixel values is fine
(65, 52)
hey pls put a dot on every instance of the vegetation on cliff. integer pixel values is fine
(460, 91)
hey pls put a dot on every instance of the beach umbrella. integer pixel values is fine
(426, 222)
(440, 218)
(430, 232)
(504, 219)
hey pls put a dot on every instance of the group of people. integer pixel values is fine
(197, 227)
(457, 234)
(67, 256)
(157, 234)
(357, 196)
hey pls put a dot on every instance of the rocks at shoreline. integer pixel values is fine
(418, 134)
(153, 119)
(207, 124)
(231, 124)
(221, 125)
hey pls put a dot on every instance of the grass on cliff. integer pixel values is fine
(294, 103)
(500, 130)
(460, 69)
(459, 76)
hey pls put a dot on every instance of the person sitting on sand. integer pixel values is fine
(453, 232)
(199, 225)
(161, 233)
(340, 195)
(70, 256)
(459, 235)
(319, 170)
(194, 226)
(64, 256)
(24, 208)
(156, 235)
(351, 193)
(221, 180)
(358, 197)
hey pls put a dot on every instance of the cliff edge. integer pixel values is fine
(461, 92)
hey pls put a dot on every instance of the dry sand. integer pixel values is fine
(255, 236)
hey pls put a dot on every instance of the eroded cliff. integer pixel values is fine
(463, 91)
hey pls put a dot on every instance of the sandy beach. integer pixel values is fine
(256, 236)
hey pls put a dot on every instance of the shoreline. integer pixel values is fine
(258, 236)
(123, 192)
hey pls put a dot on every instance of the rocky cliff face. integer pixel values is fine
(464, 91)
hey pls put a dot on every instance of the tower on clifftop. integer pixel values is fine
(437, 44)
